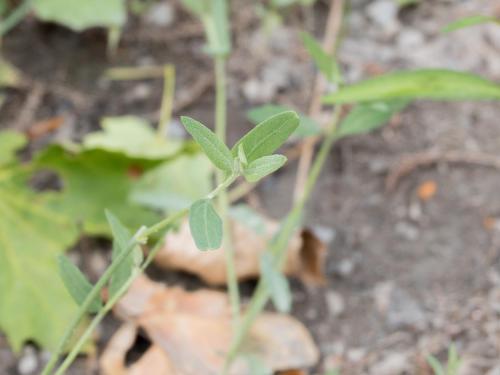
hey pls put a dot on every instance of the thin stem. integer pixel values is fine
(107, 308)
(223, 200)
(167, 101)
(279, 245)
(141, 236)
(15, 17)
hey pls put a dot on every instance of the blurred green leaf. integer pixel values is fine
(76, 283)
(205, 225)
(34, 305)
(263, 166)
(267, 136)
(325, 62)
(436, 84)
(133, 137)
(9, 75)
(247, 216)
(94, 180)
(79, 15)
(436, 366)
(10, 142)
(307, 126)
(121, 241)
(468, 22)
(214, 148)
(276, 283)
(369, 116)
(175, 184)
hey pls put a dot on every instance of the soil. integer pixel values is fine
(406, 276)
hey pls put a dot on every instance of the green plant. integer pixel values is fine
(452, 366)
(376, 100)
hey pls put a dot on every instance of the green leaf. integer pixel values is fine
(34, 305)
(436, 366)
(276, 283)
(325, 63)
(121, 241)
(249, 217)
(370, 116)
(93, 180)
(175, 184)
(241, 155)
(213, 147)
(263, 166)
(79, 15)
(198, 7)
(307, 126)
(205, 224)
(10, 142)
(468, 22)
(9, 75)
(76, 283)
(436, 84)
(133, 137)
(267, 136)
(454, 361)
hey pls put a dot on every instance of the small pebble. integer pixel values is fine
(28, 362)
(336, 304)
(160, 14)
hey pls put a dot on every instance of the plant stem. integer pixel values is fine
(279, 245)
(15, 17)
(223, 200)
(167, 100)
(139, 237)
(102, 313)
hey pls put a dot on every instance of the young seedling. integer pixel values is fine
(206, 226)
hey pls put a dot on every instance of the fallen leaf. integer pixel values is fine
(427, 190)
(193, 330)
(43, 127)
(305, 254)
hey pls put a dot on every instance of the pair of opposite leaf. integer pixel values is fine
(250, 157)
(77, 284)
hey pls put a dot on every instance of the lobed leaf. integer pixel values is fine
(79, 15)
(267, 136)
(175, 184)
(369, 116)
(263, 166)
(435, 84)
(276, 283)
(213, 147)
(133, 137)
(76, 283)
(205, 225)
(10, 142)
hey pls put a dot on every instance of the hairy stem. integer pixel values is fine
(279, 245)
(223, 200)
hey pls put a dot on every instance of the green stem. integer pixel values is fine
(15, 17)
(223, 200)
(140, 237)
(167, 100)
(107, 308)
(279, 245)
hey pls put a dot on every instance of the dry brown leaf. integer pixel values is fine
(427, 190)
(193, 331)
(305, 254)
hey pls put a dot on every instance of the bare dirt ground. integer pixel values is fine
(406, 276)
